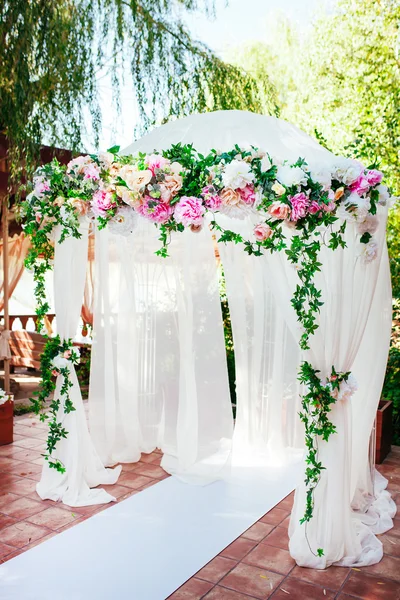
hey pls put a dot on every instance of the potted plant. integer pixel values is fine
(6, 418)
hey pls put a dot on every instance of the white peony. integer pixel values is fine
(370, 252)
(59, 362)
(363, 206)
(124, 222)
(265, 164)
(347, 388)
(290, 176)
(369, 225)
(323, 177)
(237, 174)
(384, 195)
(347, 170)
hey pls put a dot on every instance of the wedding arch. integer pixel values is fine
(301, 235)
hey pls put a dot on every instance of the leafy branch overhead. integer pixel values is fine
(53, 53)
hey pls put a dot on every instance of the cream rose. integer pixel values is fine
(59, 201)
(230, 197)
(135, 180)
(278, 189)
(173, 183)
(79, 205)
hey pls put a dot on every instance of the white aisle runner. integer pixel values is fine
(147, 546)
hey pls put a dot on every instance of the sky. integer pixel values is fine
(239, 23)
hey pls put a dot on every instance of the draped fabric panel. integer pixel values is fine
(84, 469)
(158, 376)
(88, 294)
(18, 247)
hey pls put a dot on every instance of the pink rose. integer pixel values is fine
(189, 211)
(155, 211)
(67, 354)
(329, 207)
(42, 186)
(279, 210)
(248, 194)
(314, 208)
(262, 232)
(299, 204)
(156, 161)
(101, 202)
(374, 177)
(91, 171)
(211, 198)
(55, 373)
(361, 185)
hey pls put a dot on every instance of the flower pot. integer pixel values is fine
(383, 430)
(6, 422)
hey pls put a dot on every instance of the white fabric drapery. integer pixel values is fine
(158, 376)
(84, 469)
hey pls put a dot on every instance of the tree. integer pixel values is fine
(52, 51)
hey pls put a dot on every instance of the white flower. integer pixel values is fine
(124, 222)
(290, 176)
(265, 164)
(106, 159)
(59, 362)
(4, 397)
(237, 174)
(362, 204)
(347, 388)
(370, 225)
(322, 176)
(384, 195)
(347, 170)
(370, 252)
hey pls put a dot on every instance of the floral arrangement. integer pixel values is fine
(4, 397)
(294, 207)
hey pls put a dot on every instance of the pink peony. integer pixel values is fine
(248, 194)
(374, 177)
(299, 204)
(155, 211)
(91, 171)
(279, 210)
(262, 232)
(211, 198)
(361, 185)
(189, 211)
(101, 202)
(156, 161)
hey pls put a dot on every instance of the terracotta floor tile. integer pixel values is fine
(258, 531)
(275, 516)
(285, 523)
(293, 589)
(76, 521)
(369, 587)
(391, 544)
(331, 578)
(28, 442)
(5, 550)
(6, 498)
(22, 487)
(252, 581)
(6, 520)
(8, 465)
(22, 508)
(388, 567)
(194, 589)
(12, 555)
(133, 481)
(21, 534)
(238, 549)
(29, 471)
(116, 490)
(53, 518)
(221, 593)
(129, 467)
(150, 470)
(286, 503)
(6, 479)
(147, 458)
(278, 537)
(27, 455)
(216, 569)
(270, 558)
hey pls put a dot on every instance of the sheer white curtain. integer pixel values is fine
(84, 469)
(159, 376)
(348, 286)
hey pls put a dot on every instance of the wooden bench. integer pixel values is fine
(26, 348)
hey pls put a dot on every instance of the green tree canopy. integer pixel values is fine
(52, 51)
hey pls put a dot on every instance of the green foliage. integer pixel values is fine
(53, 51)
